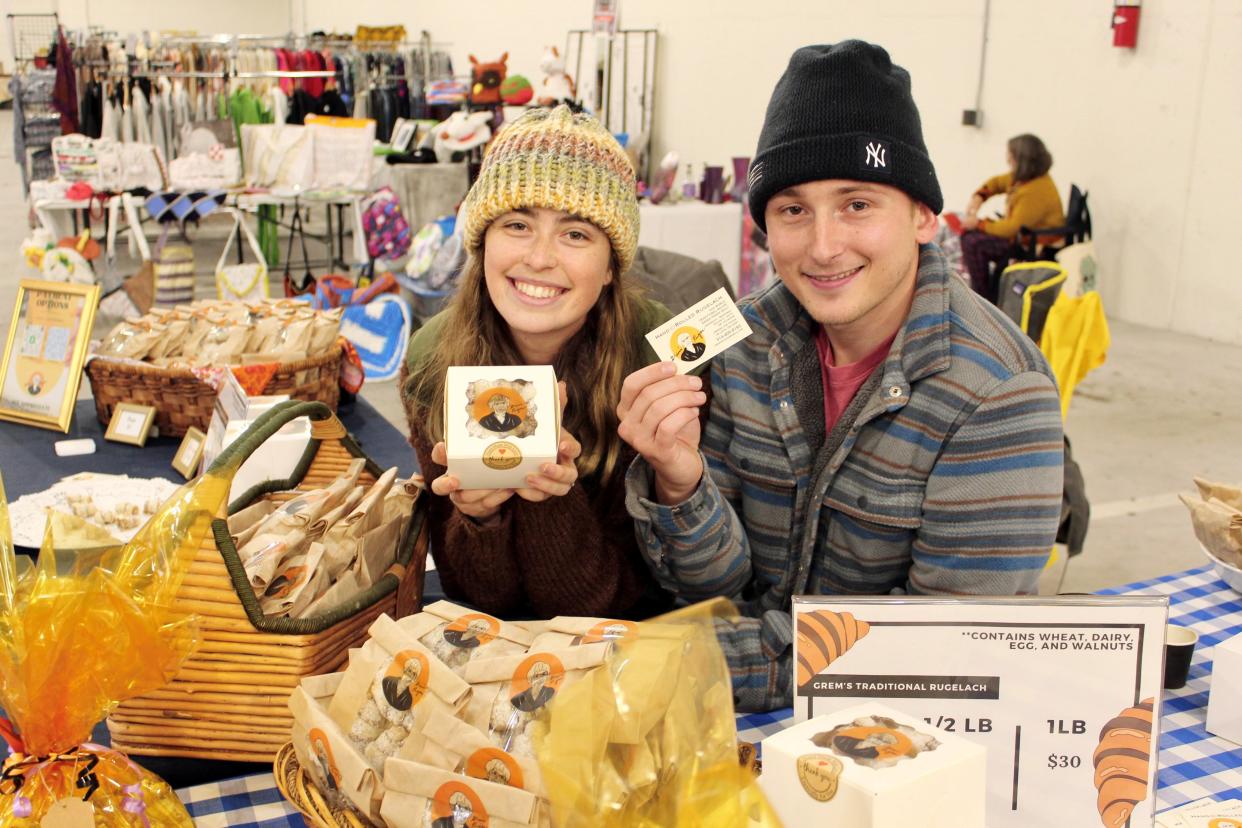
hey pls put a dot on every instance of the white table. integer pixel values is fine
(693, 228)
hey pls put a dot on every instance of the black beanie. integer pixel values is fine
(842, 111)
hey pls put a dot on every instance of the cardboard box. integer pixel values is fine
(1224, 712)
(502, 422)
(871, 767)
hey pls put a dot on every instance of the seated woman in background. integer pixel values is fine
(1032, 200)
(551, 227)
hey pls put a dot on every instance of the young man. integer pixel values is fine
(884, 430)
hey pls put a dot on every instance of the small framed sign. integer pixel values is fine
(190, 453)
(403, 132)
(130, 423)
(45, 351)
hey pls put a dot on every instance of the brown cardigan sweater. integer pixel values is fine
(571, 555)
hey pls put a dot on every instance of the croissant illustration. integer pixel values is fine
(1122, 761)
(823, 637)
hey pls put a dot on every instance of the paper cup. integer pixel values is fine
(1179, 646)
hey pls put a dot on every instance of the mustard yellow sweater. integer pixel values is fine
(1034, 203)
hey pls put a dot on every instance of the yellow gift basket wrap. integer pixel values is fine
(73, 646)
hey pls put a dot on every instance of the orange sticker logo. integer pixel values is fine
(286, 582)
(494, 765)
(499, 409)
(876, 742)
(536, 681)
(609, 631)
(323, 755)
(472, 630)
(456, 804)
(405, 680)
(1225, 822)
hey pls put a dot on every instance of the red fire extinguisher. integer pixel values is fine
(1126, 23)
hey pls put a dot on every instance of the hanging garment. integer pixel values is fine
(1075, 340)
(278, 103)
(127, 124)
(142, 115)
(111, 125)
(92, 109)
(159, 132)
(65, 90)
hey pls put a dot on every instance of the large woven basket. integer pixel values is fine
(230, 699)
(181, 399)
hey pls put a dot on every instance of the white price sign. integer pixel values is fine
(1063, 692)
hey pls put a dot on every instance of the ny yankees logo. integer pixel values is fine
(876, 155)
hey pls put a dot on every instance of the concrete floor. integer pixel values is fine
(1161, 410)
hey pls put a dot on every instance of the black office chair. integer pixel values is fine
(1077, 228)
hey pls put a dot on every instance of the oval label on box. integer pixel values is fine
(819, 774)
(502, 456)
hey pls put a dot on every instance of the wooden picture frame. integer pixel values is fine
(190, 453)
(44, 352)
(131, 423)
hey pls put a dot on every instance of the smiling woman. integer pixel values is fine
(551, 226)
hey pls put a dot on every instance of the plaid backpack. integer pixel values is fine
(387, 231)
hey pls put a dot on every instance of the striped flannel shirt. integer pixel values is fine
(943, 476)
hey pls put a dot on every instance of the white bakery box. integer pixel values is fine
(502, 422)
(1224, 710)
(278, 456)
(870, 766)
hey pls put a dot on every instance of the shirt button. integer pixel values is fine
(784, 404)
(895, 391)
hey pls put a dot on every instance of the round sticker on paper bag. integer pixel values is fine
(536, 681)
(456, 804)
(405, 680)
(609, 631)
(494, 765)
(472, 630)
(323, 755)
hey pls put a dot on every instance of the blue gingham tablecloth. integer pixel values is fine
(1193, 764)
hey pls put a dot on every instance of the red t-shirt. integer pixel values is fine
(841, 382)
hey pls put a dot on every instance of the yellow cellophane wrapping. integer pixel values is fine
(650, 738)
(74, 645)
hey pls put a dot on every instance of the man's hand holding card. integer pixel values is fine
(659, 409)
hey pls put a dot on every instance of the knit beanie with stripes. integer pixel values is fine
(559, 160)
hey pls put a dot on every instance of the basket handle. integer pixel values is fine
(270, 422)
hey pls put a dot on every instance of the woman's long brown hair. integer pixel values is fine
(593, 363)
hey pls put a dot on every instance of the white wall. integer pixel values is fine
(207, 17)
(1153, 133)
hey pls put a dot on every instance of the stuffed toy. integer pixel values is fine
(36, 246)
(461, 132)
(516, 91)
(69, 261)
(558, 87)
(486, 80)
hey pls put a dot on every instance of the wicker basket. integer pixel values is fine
(181, 399)
(302, 793)
(230, 699)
